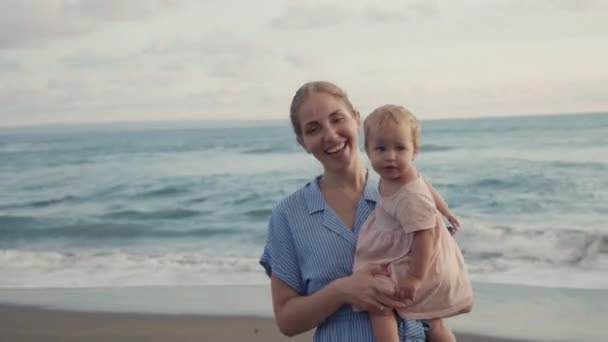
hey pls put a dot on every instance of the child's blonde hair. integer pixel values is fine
(392, 115)
(310, 88)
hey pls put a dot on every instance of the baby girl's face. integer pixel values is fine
(391, 151)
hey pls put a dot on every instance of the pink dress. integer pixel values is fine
(387, 236)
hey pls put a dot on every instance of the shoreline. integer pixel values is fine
(35, 324)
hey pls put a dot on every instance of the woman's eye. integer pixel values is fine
(312, 130)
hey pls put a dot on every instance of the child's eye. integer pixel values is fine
(401, 148)
(380, 148)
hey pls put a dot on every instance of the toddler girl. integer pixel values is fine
(407, 232)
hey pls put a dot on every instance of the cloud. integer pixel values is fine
(217, 42)
(320, 16)
(17, 95)
(89, 59)
(117, 9)
(511, 99)
(380, 14)
(219, 74)
(10, 65)
(559, 5)
(135, 96)
(426, 9)
(223, 53)
(78, 97)
(302, 17)
(202, 64)
(375, 14)
(27, 23)
(224, 42)
(229, 56)
(302, 61)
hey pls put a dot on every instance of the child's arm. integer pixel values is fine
(442, 206)
(417, 215)
(422, 250)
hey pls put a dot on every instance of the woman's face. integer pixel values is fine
(330, 131)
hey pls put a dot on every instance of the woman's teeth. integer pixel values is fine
(336, 148)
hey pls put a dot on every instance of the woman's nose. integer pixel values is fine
(330, 134)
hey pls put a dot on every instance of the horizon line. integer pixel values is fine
(261, 121)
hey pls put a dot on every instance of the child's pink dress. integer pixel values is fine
(387, 237)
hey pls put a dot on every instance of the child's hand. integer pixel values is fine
(454, 222)
(406, 293)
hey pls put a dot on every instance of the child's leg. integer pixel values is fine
(439, 332)
(385, 327)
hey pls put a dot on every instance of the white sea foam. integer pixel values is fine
(32, 269)
(41, 269)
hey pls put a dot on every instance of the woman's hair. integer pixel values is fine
(311, 88)
(392, 115)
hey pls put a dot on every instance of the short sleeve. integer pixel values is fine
(280, 255)
(416, 212)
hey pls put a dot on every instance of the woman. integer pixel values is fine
(313, 232)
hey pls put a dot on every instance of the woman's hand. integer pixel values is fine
(369, 289)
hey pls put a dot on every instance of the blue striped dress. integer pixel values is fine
(308, 246)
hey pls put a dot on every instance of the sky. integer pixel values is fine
(79, 61)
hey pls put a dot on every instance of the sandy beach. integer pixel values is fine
(30, 324)
(235, 313)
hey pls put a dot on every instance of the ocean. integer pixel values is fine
(140, 204)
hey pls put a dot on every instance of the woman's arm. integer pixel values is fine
(296, 314)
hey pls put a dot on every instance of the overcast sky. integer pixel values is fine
(114, 60)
